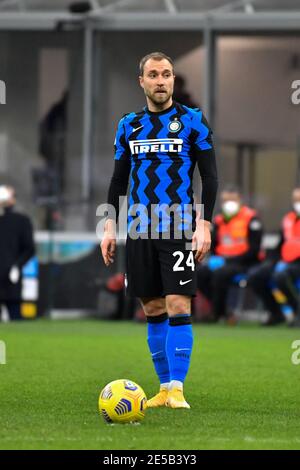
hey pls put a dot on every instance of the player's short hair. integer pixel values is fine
(155, 56)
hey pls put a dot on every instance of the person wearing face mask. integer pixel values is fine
(236, 242)
(274, 281)
(16, 248)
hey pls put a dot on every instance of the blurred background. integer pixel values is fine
(71, 71)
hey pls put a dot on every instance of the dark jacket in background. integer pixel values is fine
(16, 248)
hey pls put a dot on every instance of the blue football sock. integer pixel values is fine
(157, 335)
(179, 346)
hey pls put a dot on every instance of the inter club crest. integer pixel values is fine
(174, 126)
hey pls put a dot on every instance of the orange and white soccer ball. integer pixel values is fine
(122, 401)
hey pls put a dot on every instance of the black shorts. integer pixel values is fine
(155, 268)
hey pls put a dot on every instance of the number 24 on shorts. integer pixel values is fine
(190, 263)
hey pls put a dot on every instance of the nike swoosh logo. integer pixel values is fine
(184, 282)
(182, 349)
(155, 354)
(134, 130)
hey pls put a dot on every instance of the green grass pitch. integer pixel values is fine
(243, 389)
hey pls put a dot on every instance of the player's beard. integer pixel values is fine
(159, 99)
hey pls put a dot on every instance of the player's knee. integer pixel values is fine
(178, 304)
(153, 307)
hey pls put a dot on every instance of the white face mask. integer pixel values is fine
(230, 208)
(296, 206)
(4, 194)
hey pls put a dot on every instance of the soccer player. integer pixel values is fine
(158, 148)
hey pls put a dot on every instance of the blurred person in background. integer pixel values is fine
(50, 181)
(274, 282)
(236, 241)
(181, 94)
(52, 140)
(16, 248)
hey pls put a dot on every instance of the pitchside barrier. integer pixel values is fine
(68, 278)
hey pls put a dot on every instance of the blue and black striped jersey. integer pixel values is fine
(159, 151)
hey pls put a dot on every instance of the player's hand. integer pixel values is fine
(201, 240)
(108, 244)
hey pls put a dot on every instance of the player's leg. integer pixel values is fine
(144, 282)
(157, 326)
(179, 279)
(179, 347)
